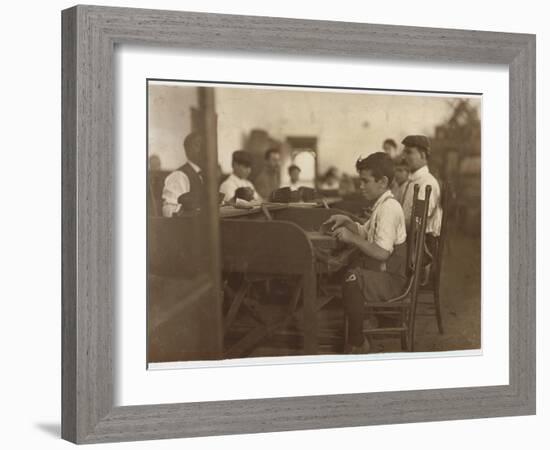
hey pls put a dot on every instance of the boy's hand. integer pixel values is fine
(344, 235)
(336, 221)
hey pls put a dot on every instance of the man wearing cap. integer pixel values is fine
(184, 188)
(241, 163)
(417, 152)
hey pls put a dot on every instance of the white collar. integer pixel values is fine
(194, 166)
(418, 174)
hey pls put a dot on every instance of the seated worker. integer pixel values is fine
(401, 179)
(379, 273)
(294, 174)
(390, 147)
(417, 152)
(330, 180)
(241, 163)
(269, 179)
(184, 189)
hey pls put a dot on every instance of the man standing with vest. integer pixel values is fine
(184, 188)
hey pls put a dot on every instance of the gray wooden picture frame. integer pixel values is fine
(90, 34)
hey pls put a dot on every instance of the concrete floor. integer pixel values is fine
(460, 302)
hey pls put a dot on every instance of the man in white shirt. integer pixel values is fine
(184, 188)
(241, 163)
(417, 152)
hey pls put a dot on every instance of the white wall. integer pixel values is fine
(169, 122)
(347, 124)
(30, 226)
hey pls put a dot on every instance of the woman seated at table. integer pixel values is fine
(378, 273)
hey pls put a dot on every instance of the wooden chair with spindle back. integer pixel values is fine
(434, 281)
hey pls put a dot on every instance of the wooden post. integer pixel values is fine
(208, 124)
(310, 312)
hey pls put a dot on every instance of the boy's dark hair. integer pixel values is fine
(271, 150)
(380, 165)
(294, 167)
(191, 139)
(242, 157)
(390, 142)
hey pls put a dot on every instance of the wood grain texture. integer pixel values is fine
(90, 205)
(68, 227)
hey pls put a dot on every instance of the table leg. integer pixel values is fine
(310, 312)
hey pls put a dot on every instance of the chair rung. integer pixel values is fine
(385, 330)
(387, 305)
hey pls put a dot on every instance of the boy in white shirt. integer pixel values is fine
(241, 163)
(379, 274)
(401, 180)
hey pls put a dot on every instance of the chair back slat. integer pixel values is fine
(446, 194)
(412, 231)
(419, 219)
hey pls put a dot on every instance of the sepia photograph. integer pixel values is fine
(311, 221)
